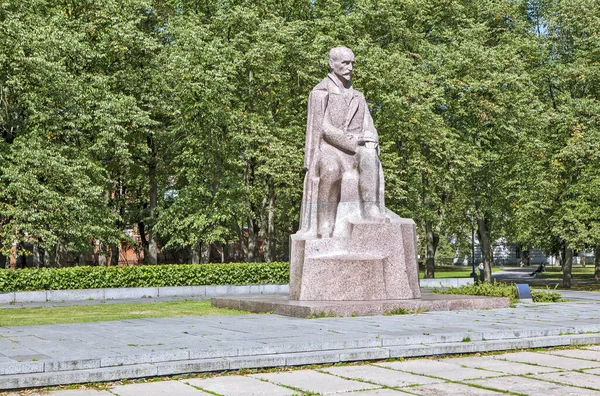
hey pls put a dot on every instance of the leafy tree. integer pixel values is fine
(572, 147)
(51, 193)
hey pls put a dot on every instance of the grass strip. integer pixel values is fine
(105, 312)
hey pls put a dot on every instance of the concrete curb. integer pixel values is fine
(205, 292)
(186, 361)
(445, 282)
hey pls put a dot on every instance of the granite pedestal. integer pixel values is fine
(377, 262)
(282, 305)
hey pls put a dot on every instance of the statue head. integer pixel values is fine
(341, 63)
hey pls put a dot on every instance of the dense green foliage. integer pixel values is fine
(499, 289)
(186, 120)
(142, 276)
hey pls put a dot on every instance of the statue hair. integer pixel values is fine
(337, 52)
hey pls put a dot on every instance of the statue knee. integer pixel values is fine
(329, 170)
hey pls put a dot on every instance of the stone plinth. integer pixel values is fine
(377, 262)
(280, 304)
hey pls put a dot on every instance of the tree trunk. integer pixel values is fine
(528, 257)
(432, 243)
(205, 253)
(252, 243)
(21, 259)
(118, 207)
(152, 257)
(51, 257)
(269, 240)
(3, 260)
(102, 259)
(561, 254)
(114, 254)
(224, 255)
(582, 258)
(196, 253)
(568, 264)
(144, 240)
(430, 249)
(597, 262)
(57, 257)
(242, 241)
(522, 257)
(12, 259)
(483, 234)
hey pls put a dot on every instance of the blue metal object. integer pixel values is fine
(523, 292)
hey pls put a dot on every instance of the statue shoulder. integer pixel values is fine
(360, 95)
(319, 94)
(322, 87)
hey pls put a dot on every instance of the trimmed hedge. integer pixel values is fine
(142, 276)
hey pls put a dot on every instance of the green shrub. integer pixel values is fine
(499, 289)
(142, 276)
(545, 295)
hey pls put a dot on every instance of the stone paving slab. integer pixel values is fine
(532, 387)
(543, 359)
(593, 347)
(576, 354)
(314, 381)
(579, 295)
(380, 376)
(439, 369)
(378, 392)
(573, 378)
(492, 363)
(164, 388)
(451, 389)
(240, 386)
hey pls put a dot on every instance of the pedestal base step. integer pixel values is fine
(280, 304)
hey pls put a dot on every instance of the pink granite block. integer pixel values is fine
(377, 262)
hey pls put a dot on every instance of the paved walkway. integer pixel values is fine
(514, 274)
(522, 275)
(33, 356)
(548, 373)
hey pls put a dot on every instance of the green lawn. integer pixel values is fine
(454, 271)
(102, 312)
(578, 272)
(582, 277)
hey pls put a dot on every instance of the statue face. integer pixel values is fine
(342, 65)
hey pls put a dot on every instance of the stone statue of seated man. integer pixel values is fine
(349, 246)
(344, 179)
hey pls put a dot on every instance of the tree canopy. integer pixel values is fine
(186, 119)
